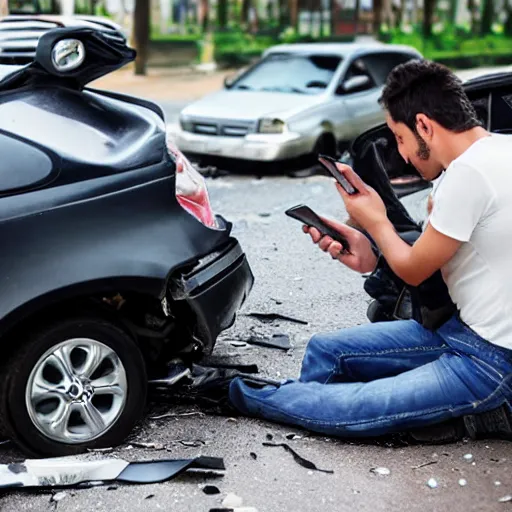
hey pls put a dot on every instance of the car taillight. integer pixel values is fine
(191, 191)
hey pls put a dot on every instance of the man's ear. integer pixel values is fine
(424, 127)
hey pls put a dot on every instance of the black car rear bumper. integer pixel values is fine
(215, 289)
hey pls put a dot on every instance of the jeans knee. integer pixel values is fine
(318, 347)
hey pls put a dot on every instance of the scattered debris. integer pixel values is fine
(238, 344)
(253, 455)
(179, 415)
(468, 457)
(58, 497)
(276, 316)
(211, 489)
(381, 471)
(281, 341)
(242, 368)
(232, 420)
(463, 482)
(100, 450)
(232, 501)
(497, 483)
(112, 488)
(70, 471)
(298, 459)
(292, 437)
(149, 496)
(269, 437)
(505, 499)
(193, 444)
(177, 370)
(425, 464)
(277, 301)
(151, 446)
(432, 483)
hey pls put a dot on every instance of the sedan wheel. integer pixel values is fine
(76, 385)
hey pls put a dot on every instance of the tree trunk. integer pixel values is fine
(473, 9)
(487, 17)
(294, 13)
(377, 16)
(246, 6)
(141, 22)
(428, 15)
(4, 8)
(357, 10)
(284, 18)
(508, 21)
(222, 13)
(205, 16)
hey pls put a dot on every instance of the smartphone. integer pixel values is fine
(330, 164)
(308, 217)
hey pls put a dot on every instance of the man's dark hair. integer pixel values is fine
(425, 87)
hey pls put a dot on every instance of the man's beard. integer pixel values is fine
(423, 152)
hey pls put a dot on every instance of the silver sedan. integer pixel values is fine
(297, 101)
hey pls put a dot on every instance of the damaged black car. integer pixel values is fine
(112, 262)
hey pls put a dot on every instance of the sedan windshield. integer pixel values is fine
(306, 74)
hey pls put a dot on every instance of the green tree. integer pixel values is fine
(508, 21)
(141, 24)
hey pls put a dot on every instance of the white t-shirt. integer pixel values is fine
(473, 204)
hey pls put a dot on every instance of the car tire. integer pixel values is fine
(75, 385)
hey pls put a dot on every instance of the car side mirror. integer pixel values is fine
(356, 83)
(228, 81)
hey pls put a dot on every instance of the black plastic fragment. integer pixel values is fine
(150, 496)
(161, 471)
(211, 489)
(253, 455)
(298, 459)
(270, 437)
(281, 341)
(242, 368)
(276, 316)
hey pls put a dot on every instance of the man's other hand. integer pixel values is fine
(361, 257)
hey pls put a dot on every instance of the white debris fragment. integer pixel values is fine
(497, 483)
(505, 499)
(58, 497)
(432, 483)
(232, 501)
(463, 482)
(468, 457)
(381, 471)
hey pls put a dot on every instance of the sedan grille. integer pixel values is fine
(220, 127)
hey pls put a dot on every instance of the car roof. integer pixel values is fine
(343, 50)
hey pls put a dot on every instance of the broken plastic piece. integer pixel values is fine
(152, 446)
(381, 471)
(281, 341)
(276, 316)
(232, 501)
(505, 499)
(253, 455)
(211, 489)
(432, 483)
(58, 497)
(242, 368)
(70, 471)
(463, 482)
(298, 459)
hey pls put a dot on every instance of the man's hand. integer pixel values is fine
(365, 208)
(361, 257)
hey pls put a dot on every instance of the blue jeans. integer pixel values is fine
(383, 378)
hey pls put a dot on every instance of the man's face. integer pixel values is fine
(415, 150)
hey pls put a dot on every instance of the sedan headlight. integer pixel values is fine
(186, 125)
(271, 126)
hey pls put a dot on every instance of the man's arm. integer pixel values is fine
(417, 263)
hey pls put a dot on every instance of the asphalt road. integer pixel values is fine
(293, 278)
